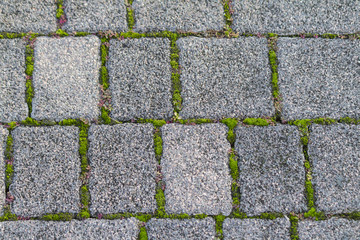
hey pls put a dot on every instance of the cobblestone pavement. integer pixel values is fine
(180, 119)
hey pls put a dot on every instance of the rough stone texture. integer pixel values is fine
(87, 229)
(28, 15)
(271, 166)
(195, 168)
(13, 106)
(256, 229)
(170, 15)
(332, 229)
(3, 137)
(319, 77)
(94, 16)
(123, 168)
(225, 78)
(334, 152)
(46, 170)
(181, 229)
(293, 16)
(140, 78)
(66, 78)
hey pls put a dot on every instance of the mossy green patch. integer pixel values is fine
(329, 35)
(175, 75)
(68, 122)
(256, 121)
(61, 33)
(9, 172)
(271, 216)
(158, 144)
(105, 116)
(143, 234)
(30, 122)
(348, 120)
(160, 200)
(233, 163)
(132, 35)
(293, 227)
(200, 216)
(8, 216)
(324, 121)
(231, 123)
(219, 219)
(313, 214)
(82, 34)
(104, 77)
(156, 123)
(57, 217)
(84, 214)
(310, 193)
(85, 196)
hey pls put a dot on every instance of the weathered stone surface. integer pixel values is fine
(3, 137)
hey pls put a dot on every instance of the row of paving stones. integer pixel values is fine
(284, 17)
(179, 229)
(194, 168)
(219, 77)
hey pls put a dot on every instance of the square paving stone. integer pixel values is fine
(319, 78)
(195, 166)
(94, 16)
(334, 152)
(123, 168)
(140, 78)
(13, 106)
(66, 78)
(256, 229)
(272, 172)
(46, 170)
(28, 15)
(88, 229)
(332, 229)
(3, 139)
(294, 17)
(170, 15)
(174, 229)
(225, 78)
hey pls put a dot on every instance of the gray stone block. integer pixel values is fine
(3, 137)
(140, 78)
(272, 172)
(13, 106)
(170, 15)
(173, 229)
(123, 168)
(256, 229)
(66, 78)
(319, 78)
(195, 166)
(28, 15)
(46, 170)
(225, 78)
(334, 152)
(332, 229)
(93, 229)
(293, 17)
(94, 16)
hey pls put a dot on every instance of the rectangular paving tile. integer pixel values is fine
(225, 78)
(173, 229)
(28, 15)
(271, 166)
(195, 168)
(140, 78)
(170, 15)
(256, 229)
(66, 78)
(126, 229)
(334, 152)
(123, 168)
(46, 170)
(332, 229)
(3, 138)
(13, 106)
(319, 78)
(294, 17)
(94, 16)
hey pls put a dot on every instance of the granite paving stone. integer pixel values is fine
(294, 17)
(271, 167)
(174, 229)
(66, 78)
(225, 78)
(94, 16)
(332, 229)
(319, 78)
(13, 106)
(46, 170)
(93, 229)
(174, 15)
(195, 168)
(140, 78)
(256, 229)
(3, 138)
(28, 15)
(123, 168)
(334, 152)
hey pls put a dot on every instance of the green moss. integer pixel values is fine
(143, 217)
(310, 193)
(59, 10)
(233, 163)
(85, 196)
(143, 234)
(313, 214)
(307, 165)
(230, 122)
(158, 145)
(61, 33)
(9, 147)
(200, 216)
(271, 215)
(104, 77)
(29, 69)
(329, 35)
(354, 215)
(57, 217)
(219, 219)
(293, 227)
(348, 120)
(175, 76)
(156, 123)
(256, 121)
(132, 35)
(83, 146)
(160, 200)
(30, 122)
(104, 52)
(227, 11)
(8, 216)
(105, 116)
(177, 216)
(272, 35)
(12, 125)
(324, 121)
(9, 172)
(68, 122)
(84, 214)
(82, 34)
